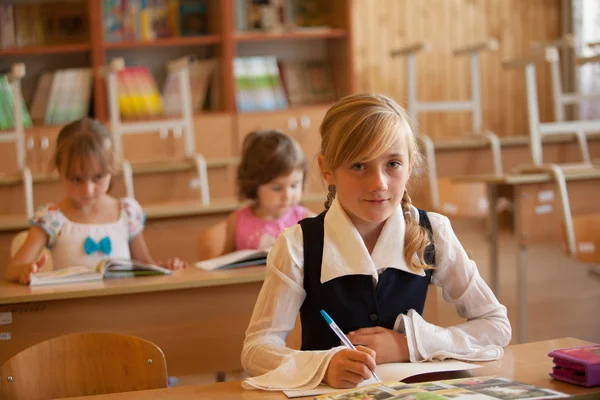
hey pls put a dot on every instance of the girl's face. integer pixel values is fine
(371, 191)
(86, 182)
(278, 196)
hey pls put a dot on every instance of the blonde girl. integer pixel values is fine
(368, 261)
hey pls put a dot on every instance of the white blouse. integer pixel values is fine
(481, 337)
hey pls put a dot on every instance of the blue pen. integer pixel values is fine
(336, 329)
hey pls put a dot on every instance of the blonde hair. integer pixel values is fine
(82, 141)
(362, 127)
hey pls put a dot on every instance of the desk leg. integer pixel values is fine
(522, 265)
(493, 238)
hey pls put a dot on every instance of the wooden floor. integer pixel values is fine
(564, 297)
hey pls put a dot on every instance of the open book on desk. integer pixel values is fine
(106, 269)
(484, 388)
(236, 259)
(392, 372)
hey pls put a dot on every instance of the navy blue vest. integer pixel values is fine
(351, 300)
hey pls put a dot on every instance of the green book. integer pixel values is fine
(7, 117)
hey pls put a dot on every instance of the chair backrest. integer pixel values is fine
(212, 241)
(587, 237)
(460, 199)
(83, 364)
(18, 241)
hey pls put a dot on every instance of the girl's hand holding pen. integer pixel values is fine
(348, 367)
(388, 345)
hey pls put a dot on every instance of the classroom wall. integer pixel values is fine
(384, 25)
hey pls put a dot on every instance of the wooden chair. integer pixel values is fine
(83, 364)
(581, 233)
(586, 229)
(212, 241)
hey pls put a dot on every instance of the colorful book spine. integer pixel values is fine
(7, 26)
(22, 25)
(113, 20)
(7, 115)
(241, 85)
(146, 18)
(274, 82)
(138, 96)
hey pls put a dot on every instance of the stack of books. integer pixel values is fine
(154, 19)
(39, 23)
(201, 81)
(138, 95)
(258, 84)
(62, 96)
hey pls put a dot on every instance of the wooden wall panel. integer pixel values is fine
(384, 25)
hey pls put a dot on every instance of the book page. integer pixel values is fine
(474, 388)
(65, 275)
(392, 372)
(232, 258)
(117, 265)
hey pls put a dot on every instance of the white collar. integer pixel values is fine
(345, 253)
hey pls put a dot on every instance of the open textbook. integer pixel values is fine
(240, 258)
(390, 372)
(105, 269)
(483, 388)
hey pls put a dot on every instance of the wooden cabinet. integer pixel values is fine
(8, 153)
(300, 123)
(151, 146)
(45, 143)
(214, 135)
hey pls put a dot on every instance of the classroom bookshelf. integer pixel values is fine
(220, 128)
(222, 40)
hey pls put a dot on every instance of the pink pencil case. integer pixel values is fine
(577, 365)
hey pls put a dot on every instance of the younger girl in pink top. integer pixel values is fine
(271, 174)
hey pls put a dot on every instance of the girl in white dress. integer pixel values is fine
(88, 224)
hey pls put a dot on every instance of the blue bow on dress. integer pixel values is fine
(104, 245)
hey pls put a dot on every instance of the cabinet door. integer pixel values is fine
(307, 134)
(8, 153)
(285, 121)
(151, 146)
(214, 135)
(46, 146)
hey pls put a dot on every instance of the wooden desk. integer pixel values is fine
(537, 216)
(197, 318)
(527, 363)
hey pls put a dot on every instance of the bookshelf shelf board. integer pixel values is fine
(45, 49)
(174, 41)
(293, 35)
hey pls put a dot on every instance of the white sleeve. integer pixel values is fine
(282, 294)
(487, 329)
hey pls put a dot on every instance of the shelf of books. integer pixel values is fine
(251, 62)
(224, 30)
